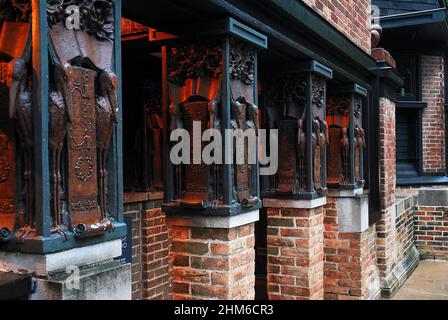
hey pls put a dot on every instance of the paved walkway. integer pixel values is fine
(429, 282)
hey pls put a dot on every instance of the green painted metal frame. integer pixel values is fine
(354, 89)
(40, 117)
(46, 242)
(310, 68)
(228, 28)
(305, 18)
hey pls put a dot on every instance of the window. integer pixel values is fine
(409, 67)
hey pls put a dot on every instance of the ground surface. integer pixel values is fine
(429, 282)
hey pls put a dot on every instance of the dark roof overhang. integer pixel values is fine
(295, 31)
(422, 32)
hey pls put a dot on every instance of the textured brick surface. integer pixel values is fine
(431, 225)
(156, 259)
(395, 237)
(351, 271)
(351, 17)
(433, 92)
(211, 264)
(295, 254)
(387, 152)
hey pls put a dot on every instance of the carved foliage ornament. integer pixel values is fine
(84, 168)
(193, 61)
(5, 170)
(96, 16)
(338, 106)
(357, 107)
(5, 166)
(319, 92)
(285, 90)
(15, 10)
(242, 63)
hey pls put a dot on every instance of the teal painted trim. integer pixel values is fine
(360, 90)
(352, 88)
(55, 243)
(360, 59)
(352, 139)
(414, 18)
(40, 119)
(226, 116)
(316, 67)
(312, 66)
(256, 102)
(117, 159)
(246, 33)
(173, 208)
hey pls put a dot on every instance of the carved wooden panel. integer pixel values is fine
(7, 156)
(82, 155)
(287, 173)
(359, 138)
(335, 157)
(338, 164)
(196, 175)
(7, 183)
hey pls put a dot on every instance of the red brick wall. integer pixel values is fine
(351, 17)
(404, 222)
(213, 263)
(387, 152)
(433, 117)
(351, 271)
(295, 254)
(431, 225)
(395, 235)
(156, 260)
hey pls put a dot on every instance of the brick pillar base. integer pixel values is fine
(351, 271)
(211, 262)
(295, 252)
(156, 262)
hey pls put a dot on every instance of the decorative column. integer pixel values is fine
(350, 258)
(210, 82)
(397, 255)
(347, 138)
(64, 102)
(295, 105)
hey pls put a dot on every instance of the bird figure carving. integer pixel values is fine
(20, 109)
(106, 119)
(60, 121)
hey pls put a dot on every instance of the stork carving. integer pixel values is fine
(60, 120)
(106, 119)
(20, 109)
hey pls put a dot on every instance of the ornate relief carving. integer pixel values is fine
(154, 132)
(242, 63)
(194, 61)
(84, 168)
(357, 107)
(196, 175)
(195, 75)
(82, 206)
(319, 92)
(82, 165)
(285, 103)
(96, 16)
(21, 110)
